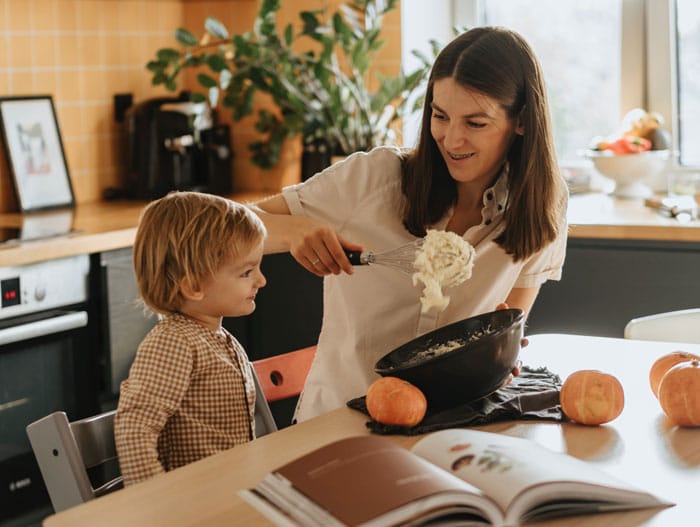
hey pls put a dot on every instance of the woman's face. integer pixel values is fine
(471, 130)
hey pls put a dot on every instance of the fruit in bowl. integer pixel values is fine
(634, 155)
(631, 171)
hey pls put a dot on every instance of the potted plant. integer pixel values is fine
(321, 93)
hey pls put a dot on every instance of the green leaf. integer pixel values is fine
(159, 78)
(288, 35)
(197, 97)
(215, 28)
(156, 65)
(217, 63)
(206, 81)
(185, 37)
(311, 23)
(167, 54)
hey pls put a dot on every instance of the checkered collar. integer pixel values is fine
(495, 198)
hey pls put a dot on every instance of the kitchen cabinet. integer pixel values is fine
(605, 283)
(287, 316)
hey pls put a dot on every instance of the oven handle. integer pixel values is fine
(41, 328)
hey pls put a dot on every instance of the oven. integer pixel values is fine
(46, 364)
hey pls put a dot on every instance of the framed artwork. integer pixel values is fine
(34, 152)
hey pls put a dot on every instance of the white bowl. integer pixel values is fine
(631, 172)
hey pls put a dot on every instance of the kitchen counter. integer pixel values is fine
(100, 227)
(600, 216)
(618, 263)
(112, 225)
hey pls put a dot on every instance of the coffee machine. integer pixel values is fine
(175, 144)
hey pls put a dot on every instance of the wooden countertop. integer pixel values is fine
(598, 215)
(101, 227)
(112, 225)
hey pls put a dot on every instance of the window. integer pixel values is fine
(601, 58)
(688, 74)
(579, 55)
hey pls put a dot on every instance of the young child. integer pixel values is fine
(190, 391)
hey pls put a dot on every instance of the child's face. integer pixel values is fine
(231, 290)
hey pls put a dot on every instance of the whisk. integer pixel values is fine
(401, 258)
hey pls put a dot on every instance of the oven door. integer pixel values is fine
(45, 366)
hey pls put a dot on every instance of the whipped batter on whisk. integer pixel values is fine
(443, 260)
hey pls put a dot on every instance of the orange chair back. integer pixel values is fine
(283, 376)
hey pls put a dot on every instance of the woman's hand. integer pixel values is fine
(314, 244)
(319, 248)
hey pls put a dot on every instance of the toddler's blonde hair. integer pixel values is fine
(188, 235)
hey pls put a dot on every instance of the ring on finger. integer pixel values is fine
(314, 262)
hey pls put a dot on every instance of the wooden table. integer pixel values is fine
(640, 446)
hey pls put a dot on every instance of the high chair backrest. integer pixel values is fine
(671, 326)
(283, 376)
(264, 421)
(65, 451)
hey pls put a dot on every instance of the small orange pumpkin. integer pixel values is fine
(591, 397)
(393, 401)
(679, 393)
(663, 364)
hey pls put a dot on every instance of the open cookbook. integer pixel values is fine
(451, 477)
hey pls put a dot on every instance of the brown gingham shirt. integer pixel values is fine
(190, 394)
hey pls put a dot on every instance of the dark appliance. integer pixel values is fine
(46, 364)
(123, 323)
(175, 144)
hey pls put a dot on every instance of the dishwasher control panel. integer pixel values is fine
(44, 285)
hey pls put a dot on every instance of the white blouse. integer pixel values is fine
(377, 308)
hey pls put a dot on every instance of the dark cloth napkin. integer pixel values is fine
(534, 394)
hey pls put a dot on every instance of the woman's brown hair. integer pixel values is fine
(188, 235)
(500, 64)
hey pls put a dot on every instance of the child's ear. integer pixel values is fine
(189, 292)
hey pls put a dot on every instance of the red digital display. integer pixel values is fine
(9, 289)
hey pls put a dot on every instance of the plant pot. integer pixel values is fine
(315, 157)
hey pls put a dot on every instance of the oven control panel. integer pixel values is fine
(44, 285)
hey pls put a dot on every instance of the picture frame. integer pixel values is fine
(34, 152)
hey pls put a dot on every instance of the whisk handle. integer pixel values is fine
(355, 257)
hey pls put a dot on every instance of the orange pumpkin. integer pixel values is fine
(679, 393)
(591, 397)
(393, 401)
(663, 364)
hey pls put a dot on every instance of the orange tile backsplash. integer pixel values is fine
(83, 52)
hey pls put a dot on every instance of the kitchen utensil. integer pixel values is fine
(401, 258)
(682, 208)
(460, 362)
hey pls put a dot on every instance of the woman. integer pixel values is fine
(484, 168)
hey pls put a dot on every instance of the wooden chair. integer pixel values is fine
(283, 376)
(671, 326)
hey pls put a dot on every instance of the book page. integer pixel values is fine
(504, 467)
(362, 478)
